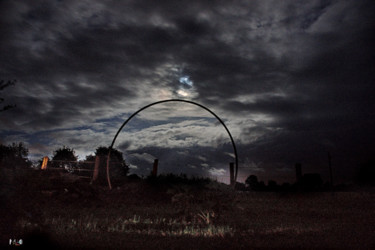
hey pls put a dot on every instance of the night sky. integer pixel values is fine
(292, 80)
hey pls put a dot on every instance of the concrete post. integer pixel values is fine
(96, 169)
(155, 168)
(45, 162)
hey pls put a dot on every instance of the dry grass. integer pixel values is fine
(144, 216)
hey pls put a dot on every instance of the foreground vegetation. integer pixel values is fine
(54, 209)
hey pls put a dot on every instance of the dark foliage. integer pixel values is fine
(118, 167)
(14, 156)
(366, 174)
(115, 154)
(64, 154)
(65, 157)
(134, 177)
(252, 182)
(90, 158)
(306, 183)
(4, 85)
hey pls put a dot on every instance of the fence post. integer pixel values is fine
(96, 169)
(155, 168)
(231, 170)
(44, 163)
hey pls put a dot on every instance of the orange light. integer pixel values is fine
(44, 164)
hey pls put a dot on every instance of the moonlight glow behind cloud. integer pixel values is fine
(292, 80)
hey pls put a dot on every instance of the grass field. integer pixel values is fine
(59, 211)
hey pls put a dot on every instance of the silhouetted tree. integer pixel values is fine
(3, 85)
(90, 158)
(119, 168)
(272, 185)
(102, 150)
(262, 186)
(64, 154)
(65, 158)
(14, 156)
(252, 182)
(14, 166)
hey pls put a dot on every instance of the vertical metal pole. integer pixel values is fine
(155, 168)
(231, 170)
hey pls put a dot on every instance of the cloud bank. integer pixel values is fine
(292, 81)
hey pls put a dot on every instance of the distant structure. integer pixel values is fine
(99, 175)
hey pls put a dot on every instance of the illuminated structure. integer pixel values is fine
(44, 163)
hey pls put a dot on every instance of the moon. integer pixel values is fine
(186, 81)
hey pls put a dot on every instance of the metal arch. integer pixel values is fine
(172, 100)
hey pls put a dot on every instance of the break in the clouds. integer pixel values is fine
(292, 80)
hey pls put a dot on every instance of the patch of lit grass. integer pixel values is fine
(136, 224)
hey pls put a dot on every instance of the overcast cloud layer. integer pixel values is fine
(292, 80)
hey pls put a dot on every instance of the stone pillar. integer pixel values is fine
(155, 168)
(96, 169)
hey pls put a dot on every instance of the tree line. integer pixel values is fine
(15, 156)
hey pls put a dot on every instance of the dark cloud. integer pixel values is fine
(289, 78)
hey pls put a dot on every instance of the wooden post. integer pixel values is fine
(231, 170)
(155, 168)
(96, 169)
(45, 162)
